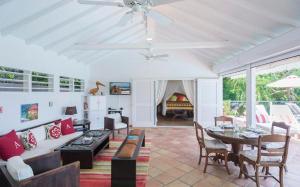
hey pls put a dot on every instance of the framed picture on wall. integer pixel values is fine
(119, 88)
(29, 112)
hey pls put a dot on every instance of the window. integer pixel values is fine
(42, 82)
(234, 97)
(13, 80)
(65, 84)
(278, 92)
(78, 85)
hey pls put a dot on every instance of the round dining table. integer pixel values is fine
(235, 139)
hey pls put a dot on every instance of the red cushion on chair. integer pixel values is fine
(67, 127)
(10, 145)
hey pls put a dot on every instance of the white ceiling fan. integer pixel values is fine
(150, 56)
(136, 6)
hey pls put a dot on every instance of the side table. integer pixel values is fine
(82, 125)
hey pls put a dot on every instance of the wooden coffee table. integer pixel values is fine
(78, 150)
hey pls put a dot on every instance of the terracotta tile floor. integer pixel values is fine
(174, 163)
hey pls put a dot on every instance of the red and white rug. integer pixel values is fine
(100, 175)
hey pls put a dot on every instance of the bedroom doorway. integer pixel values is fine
(174, 102)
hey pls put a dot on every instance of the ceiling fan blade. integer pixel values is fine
(144, 55)
(126, 18)
(162, 2)
(161, 56)
(104, 3)
(159, 18)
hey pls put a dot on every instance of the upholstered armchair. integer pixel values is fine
(116, 122)
(48, 172)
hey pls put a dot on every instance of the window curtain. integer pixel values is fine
(189, 89)
(160, 88)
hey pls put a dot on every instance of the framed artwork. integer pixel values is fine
(119, 88)
(29, 112)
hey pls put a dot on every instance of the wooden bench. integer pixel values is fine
(123, 164)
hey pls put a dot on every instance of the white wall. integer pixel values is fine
(129, 65)
(125, 66)
(15, 53)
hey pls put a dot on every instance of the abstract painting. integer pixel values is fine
(29, 112)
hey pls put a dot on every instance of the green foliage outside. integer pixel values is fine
(234, 91)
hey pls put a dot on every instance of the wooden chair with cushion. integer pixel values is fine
(116, 122)
(211, 147)
(223, 119)
(273, 157)
(278, 128)
(48, 172)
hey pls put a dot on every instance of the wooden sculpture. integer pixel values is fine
(94, 91)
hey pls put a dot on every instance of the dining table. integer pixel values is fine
(236, 138)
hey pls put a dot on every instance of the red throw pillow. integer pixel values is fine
(67, 126)
(10, 145)
(181, 98)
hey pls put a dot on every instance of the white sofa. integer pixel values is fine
(44, 145)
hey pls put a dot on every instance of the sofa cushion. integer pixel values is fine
(18, 169)
(10, 148)
(67, 126)
(120, 125)
(116, 117)
(53, 131)
(39, 133)
(10, 145)
(28, 140)
(49, 145)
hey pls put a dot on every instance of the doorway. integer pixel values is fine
(175, 102)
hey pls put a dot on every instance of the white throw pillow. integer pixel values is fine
(116, 117)
(18, 169)
(39, 133)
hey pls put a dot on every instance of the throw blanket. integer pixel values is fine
(100, 175)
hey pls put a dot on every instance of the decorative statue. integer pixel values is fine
(94, 91)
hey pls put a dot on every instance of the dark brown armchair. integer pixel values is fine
(48, 172)
(116, 122)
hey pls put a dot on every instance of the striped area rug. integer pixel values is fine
(100, 175)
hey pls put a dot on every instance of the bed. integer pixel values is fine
(179, 102)
(179, 105)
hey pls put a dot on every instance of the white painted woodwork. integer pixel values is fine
(57, 25)
(143, 103)
(208, 101)
(251, 96)
(96, 111)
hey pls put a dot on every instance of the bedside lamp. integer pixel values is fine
(71, 110)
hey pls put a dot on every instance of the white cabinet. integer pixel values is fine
(96, 111)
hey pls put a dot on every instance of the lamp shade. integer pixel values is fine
(71, 110)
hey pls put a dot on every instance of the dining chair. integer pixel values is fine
(223, 119)
(277, 128)
(210, 146)
(273, 157)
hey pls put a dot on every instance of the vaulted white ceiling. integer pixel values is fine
(59, 24)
